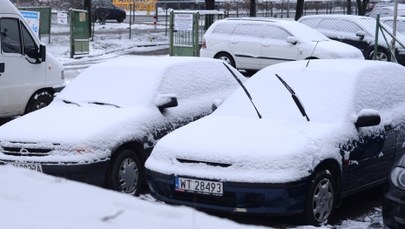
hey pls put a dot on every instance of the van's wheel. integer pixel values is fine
(381, 55)
(125, 172)
(39, 100)
(321, 198)
(225, 57)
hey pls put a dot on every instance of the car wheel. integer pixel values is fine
(321, 197)
(381, 55)
(39, 100)
(125, 172)
(225, 57)
(119, 20)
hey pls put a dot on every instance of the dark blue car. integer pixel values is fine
(273, 161)
(394, 198)
(103, 10)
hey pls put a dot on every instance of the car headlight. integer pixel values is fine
(398, 177)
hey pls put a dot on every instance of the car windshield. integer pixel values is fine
(304, 33)
(327, 103)
(400, 25)
(117, 83)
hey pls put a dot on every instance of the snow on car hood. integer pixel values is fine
(247, 150)
(80, 126)
(331, 49)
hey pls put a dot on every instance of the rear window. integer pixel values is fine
(311, 22)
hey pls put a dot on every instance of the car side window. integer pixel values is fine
(224, 28)
(10, 35)
(340, 25)
(274, 32)
(30, 47)
(248, 30)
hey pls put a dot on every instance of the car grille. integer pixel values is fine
(27, 149)
(186, 161)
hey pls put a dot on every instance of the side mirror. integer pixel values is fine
(291, 40)
(368, 117)
(361, 34)
(163, 101)
(42, 53)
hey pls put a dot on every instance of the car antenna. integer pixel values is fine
(244, 88)
(312, 53)
(295, 98)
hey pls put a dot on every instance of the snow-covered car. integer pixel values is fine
(393, 207)
(101, 128)
(387, 9)
(255, 43)
(390, 22)
(268, 159)
(359, 31)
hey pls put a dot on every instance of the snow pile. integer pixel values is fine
(33, 200)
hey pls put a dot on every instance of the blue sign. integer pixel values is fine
(32, 19)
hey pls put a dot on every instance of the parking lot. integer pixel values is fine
(112, 47)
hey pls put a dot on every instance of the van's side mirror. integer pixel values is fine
(163, 101)
(291, 40)
(42, 53)
(368, 117)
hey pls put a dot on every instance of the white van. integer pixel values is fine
(254, 43)
(29, 76)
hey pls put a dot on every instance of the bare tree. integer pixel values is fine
(299, 9)
(252, 11)
(349, 6)
(362, 6)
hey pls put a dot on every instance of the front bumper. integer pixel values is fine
(394, 208)
(91, 173)
(248, 198)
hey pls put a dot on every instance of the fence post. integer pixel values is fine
(376, 36)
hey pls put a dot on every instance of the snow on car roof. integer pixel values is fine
(299, 30)
(128, 80)
(367, 23)
(325, 87)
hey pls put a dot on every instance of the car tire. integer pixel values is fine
(321, 199)
(119, 20)
(382, 55)
(39, 100)
(226, 57)
(125, 172)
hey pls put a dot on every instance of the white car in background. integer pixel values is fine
(254, 43)
(101, 128)
(386, 9)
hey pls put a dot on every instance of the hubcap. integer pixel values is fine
(381, 56)
(128, 175)
(226, 59)
(323, 199)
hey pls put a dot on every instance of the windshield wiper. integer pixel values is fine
(295, 98)
(106, 104)
(244, 88)
(70, 102)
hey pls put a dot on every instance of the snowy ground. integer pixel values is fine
(33, 200)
